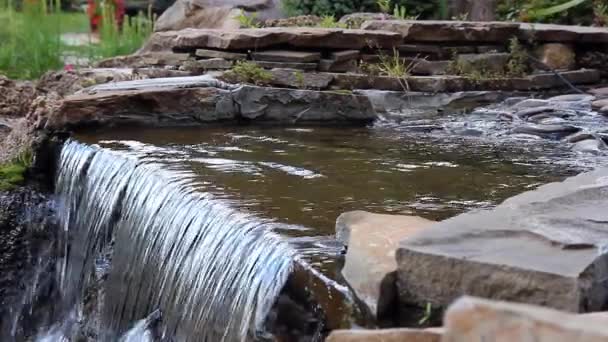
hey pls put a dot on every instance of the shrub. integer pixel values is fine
(524, 10)
(248, 72)
(338, 8)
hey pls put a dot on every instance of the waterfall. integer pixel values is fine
(212, 271)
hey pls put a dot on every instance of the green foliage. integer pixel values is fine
(518, 64)
(428, 313)
(396, 66)
(548, 11)
(299, 75)
(248, 72)
(329, 21)
(400, 12)
(338, 8)
(12, 173)
(116, 41)
(248, 21)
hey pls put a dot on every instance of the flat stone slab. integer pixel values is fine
(286, 65)
(370, 265)
(254, 39)
(563, 33)
(545, 247)
(477, 320)
(205, 53)
(144, 60)
(286, 56)
(446, 31)
(385, 335)
(301, 80)
(192, 101)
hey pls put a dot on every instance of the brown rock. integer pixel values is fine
(202, 65)
(15, 97)
(489, 62)
(550, 80)
(557, 56)
(476, 320)
(563, 33)
(446, 31)
(301, 80)
(425, 67)
(386, 335)
(598, 104)
(286, 56)
(599, 93)
(283, 65)
(220, 54)
(370, 264)
(254, 39)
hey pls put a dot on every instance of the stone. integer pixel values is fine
(593, 146)
(67, 82)
(446, 31)
(193, 101)
(476, 320)
(426, 67)
(298, 79)
(572, 98)
(490, 62)
(346, 55)
(557, 56)
(282, 65)
(202, 65)
(255, 39)
(550, 80)
(599, 104)
(297, 21)
(531, 103)
(603, 110)
(580, 136)
(144, 60)
(205, 53)
(291, 106)
(434, 51)
(15, 97)
(214, 14)
(562, 33)
(528, 112)
(600, 93)
(370, 266)
(329, 65)
(286, 56)
(385, 335)
(491, 48)
(541, 247)
(355, 20)
(547, 131)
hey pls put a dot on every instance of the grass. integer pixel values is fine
(249, 72)
(15, 157)
(30, 39)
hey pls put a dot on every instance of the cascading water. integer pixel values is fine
(212, 271)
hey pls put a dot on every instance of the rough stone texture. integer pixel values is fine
(386, 335)
(198, 100)
(346, 55)
(220, 54)
(282, 65)
(355, 20)
(216, 14)
(329, 65)
(15, 97)
(542, 247)
(255, 39)
(598, 104)
(68, 82)
(297, 21)
(563, 33)
(298, 79)
(446, 31)
(425, 67)
(476, 320)
(202, 65)
(557, 56)
(144, 60)
(491, 62)
(286, 56)
(603, 110)
(600, 93)
(370, 260)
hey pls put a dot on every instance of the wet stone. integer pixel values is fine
(530, 103)
(527, 112)
(593, 146)
(547, 131)
(600, 93)
(603, 110)
(572, 98)
(599, 104)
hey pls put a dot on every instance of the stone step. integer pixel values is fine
(286, 56)
(205, 53)
(255, 39)
(285, 65)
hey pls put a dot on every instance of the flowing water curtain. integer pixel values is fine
(214, 272)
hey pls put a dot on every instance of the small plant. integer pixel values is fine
(248, 21)
(461, 17)
(384, 5)
(400, 12)
(12, 173)
(248, 72)
(396, 66)
(329, 21)
(518, 65)
(299, 79)
(428, 313)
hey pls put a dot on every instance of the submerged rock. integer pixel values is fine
(542, 247)
(553, 131)
(594, 146)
